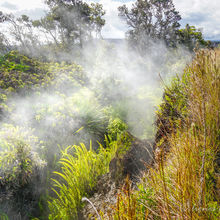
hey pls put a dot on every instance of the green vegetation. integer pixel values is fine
(20, 72)
(20, 169)
(52, 110)
(53, 119)
(192, 37)
(49, 107)
(80, 170)
(116, 127)
(150, 21)
(69, 22)
(70, 25)
(46, 149)
(184, 182)
(154, 21)
(66, 26)
(16, 159)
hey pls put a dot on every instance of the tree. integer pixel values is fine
(191, 37)
(4, 43)
(3, 17)
(149, 21)
(47, 26)
(19, 34)
(74, 20)
(68, 23)
(21, 30)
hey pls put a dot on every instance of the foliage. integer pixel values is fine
(17, 61)
(3, 216)
(17, 158)
(4, 44)
(80, 169)
(173, 108)
(20, 168)
(20, 72)
(121, 145)
(65, 108)
(184, 182)
(3, 17)
(45, 93)
(22, 32)
(73, 21)
(59, 119)
(70, 107)
(90, 113)
(116, 127)
(67, 25)
(150, 21)
(129, 205)
(191, 37)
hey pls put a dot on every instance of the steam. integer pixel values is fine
(131, 81)
(115, 76)
(117, 82)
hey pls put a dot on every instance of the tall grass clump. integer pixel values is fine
(184, 183)
(80, 169)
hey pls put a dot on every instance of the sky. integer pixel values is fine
(204, 14)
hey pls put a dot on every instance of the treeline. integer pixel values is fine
(69, 25)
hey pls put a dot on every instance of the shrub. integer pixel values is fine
(20, 167)
(19, 73)
(116, 127)
(18, 156)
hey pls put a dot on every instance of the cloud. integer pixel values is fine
(9, 6)
(34, 14)
(202, 14)
(114, 27)
(34, 9)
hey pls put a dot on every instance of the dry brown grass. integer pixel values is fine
(184, 185)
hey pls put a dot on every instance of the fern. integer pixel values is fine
(80, 169)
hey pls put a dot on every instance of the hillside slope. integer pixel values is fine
(184, 182)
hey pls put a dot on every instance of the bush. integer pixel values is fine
(20, 168)
(116, 127)
(21, 74)
(18, 156)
